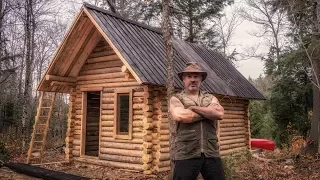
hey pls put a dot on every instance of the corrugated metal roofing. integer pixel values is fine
(143, 48)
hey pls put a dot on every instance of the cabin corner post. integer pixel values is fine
(70, 128)
(147, 156)
(161, 160)
(247, 123)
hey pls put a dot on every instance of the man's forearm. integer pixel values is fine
(207, 112)
(187, 116)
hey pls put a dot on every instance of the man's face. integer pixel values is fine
(192, 81)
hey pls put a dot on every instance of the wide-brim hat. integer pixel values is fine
(193, 67)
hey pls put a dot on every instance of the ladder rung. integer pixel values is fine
(41, 124)
(38, 141)
(45, 107)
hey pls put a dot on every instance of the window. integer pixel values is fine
(123, 114)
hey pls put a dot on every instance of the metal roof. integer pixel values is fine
(143, 48)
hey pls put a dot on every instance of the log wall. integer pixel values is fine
(234, 129)
(102, 72)
(148, 150)
(160, 140)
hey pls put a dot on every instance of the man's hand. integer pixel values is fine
(180, 114)
(213, 112)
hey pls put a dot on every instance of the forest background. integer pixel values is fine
(31, 31)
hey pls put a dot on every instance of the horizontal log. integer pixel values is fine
(99, 65)
(232, 129)
(137, 123)
(222, 134)
(62, 83)
(116, 84)
(107, 134)
(86, 89)
(100, 71)
(137, 129)
(60, 78)
(137, 106)
(138, 112)
(235, 112)
(75, 153)
(137, 99)
(108, 94)
(162, 156)
(117, 145)
(161, 163)
(231, 137)
(137, 94)
(147, 114)
(107, 123)
(109, 117)
(107, 129)
(121, 165)
(100, 76)
(242, 124)
(107, 106)
(233, 116)
(233, 141)
(76, 142)
(102, 81)
(229, 108)
(131, 141)
(107, 112)
(164, 138)
(103, 59)
(231, 146)
(122, 152)
(162, 169)
(225, 120)
(117, 158)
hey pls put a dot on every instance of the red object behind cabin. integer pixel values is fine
(262, 144)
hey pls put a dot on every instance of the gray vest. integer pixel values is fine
(192, 139)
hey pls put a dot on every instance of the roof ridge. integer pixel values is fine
(87, 5)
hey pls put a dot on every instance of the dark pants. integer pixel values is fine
(210, 168)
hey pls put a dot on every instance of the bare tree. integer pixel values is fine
(167, 35)
(272, 21)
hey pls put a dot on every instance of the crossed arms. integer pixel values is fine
(195, 113)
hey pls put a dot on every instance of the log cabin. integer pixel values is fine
(114, 71)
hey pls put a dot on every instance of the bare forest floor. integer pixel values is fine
(280, 165)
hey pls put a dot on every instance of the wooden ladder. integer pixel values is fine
(40, 128)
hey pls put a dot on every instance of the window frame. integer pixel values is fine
(116, 133)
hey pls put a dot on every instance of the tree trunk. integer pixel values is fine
(28, 63)
(313, 143)
(167, 34)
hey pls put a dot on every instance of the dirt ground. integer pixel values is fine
(266, 167)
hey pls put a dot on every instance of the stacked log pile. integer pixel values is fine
(77, 123)
(233, 130)
(70, 126)
(147, 156)
(160, 135)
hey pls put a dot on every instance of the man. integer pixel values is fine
(196, 114)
